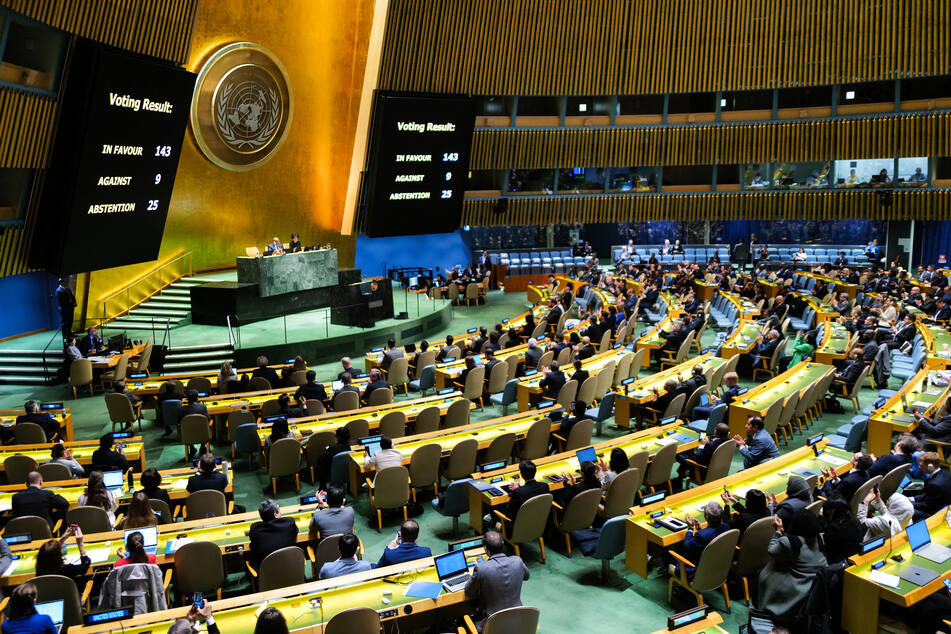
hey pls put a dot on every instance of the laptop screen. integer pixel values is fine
(587, 455)
(372, 448)
(704, 400)
(336, 385)
(918, 535)
(52, 609)
(112, 479)
(450, 564)
(149, 537)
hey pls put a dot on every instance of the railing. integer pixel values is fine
(145, 285)
(56, 334)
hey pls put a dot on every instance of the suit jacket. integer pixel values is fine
(585, 352)
(695, 542)
(886, 463)
(905, 333)
(65, 299)
(943, 314)
(158, 494)
(519, 496)
(200, 481)
(268, 373)
(332, 521)
(672, 339)
(476, 346)
(935, 496)
(193, 408)
(852, 371)
(407, 551)
(110, 458)
(690, 385)
(266, 537)
(497, 582)
(581, 376)
(389, 356)
(554, 314)
(312, 392)
(532, 357)
(47, 422)
(705, 452)
(729, 395)
(552, 383)
(847, 485)
(593, 332)
(38, 502)
(340, 567)
(938, 430)
(869, 350)
(378, 384)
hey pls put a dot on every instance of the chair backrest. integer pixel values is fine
(37, 527)
(498, 377)
(623, 369)
(91, 519)
(789, 409)
(282, 568)
(462, 459)
(122, 366)
(587, 389)
(563, 356)
(160, 507)
(580, 435)
(316, 446)
(771, 419)
(891, 480)
(393, 424)
(359, 428)
(170, 410)
(357, 620)
(714, 564)
(426, 359)
(80, 372)
(195, 429)
(621, 491)
(861, 492)
(338, 468)
(500, 448)
(299, 377)
(55, 587)
(381, 396)
(611, 539)
(199, 567)
(719, 466)
(545, 360)
(398, 372)
(53, 471)
(639, 460)
(205, 503)
(605, 376)
(512, 363)
(142, 365)
(119, 407)
(675, 407)
(427, 420)
(391, 487)
(637, 362)
(199, 384)
(424, 465)
(329, 550)
(853, 442)
(18, 467)
(605, 343)
(532, 518)
(246, 439)
(694, 399)
(31, 433)
(854, 392)
(753, 554)
(581, 511)
(475, 381)
(270, 408)
(284, 457)
(536, 440)
(457, 414)
(567, 393)
(658, 472)
(257, 383)
(235, 419)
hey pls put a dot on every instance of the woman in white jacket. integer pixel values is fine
(889, 520)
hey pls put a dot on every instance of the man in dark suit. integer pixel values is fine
(931, 429)
(869, 346)
(593, 330)
(92, 344)
(404, 547)
(496, 581)
(696, 381)
(67, 304)
(266, 373)
(476, 346)
(312, 390)
(207, 477)
(348, 369)
(904, 333)
(845, 380)
(555, 311)
(34, 415)
(553, 382)
(346, 387)
(391, 354)
(192, 406)
(493, 343)
(731, 380)
(376, 382)
(445, 349)
(272, 533)
(942, 311)
(533, 354)
(701, 454)
(673, 338)
(765, 346)
(286, 410)
(489, 361)
(844, 306)
(580, 374)
(937, 492)
(519, 494)
(663, 400)
(584, 350)
(848, 484)
(105, 456)
(35, 500)
(902, 454)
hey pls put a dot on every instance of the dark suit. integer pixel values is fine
(580, 376)
(888, 462)
(519, 496)
(585, 352)
(477, 344)
(389, 356)
(552, 383)
(378, 384)
(158, 494)
(38, 502)
(497, 582)
(193, 408)
(692, 384)
(311, 392)
(701, 455)
(108, 457)
(268, 373)
(939, 430)
(554, 314)
(67, 304)
(846, 486)
(532, 357)
(849, 376)
(266, 537)
(201, 481)
(936, 495)
(47, 422)
(593, 332)
(672, 339)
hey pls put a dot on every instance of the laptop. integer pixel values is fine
(113, 481)
(149, 537)
(918, 575)
(587, 455)
(336, 385)
(410, 348)
(452, 570)
(919, 539)
(371, 444)
(704, 399)
(54, 610)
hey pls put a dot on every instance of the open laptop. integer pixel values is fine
(704, 399)
(113, 481)
(371, 444)
(54, 610)
(452, 570)
(919, 539)
(149, 537)
(587, 455)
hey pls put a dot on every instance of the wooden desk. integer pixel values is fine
(769, 477)
(174, 482)
(364, 589)
(446, 373)
(484, 433)
(759, 398)
(835, 343)
(937, 342)
(891, 418)
(742, 340)
(529, 385)
(860, 610)
(824, 311)
(107, 361)
(150, 386)
(626, 397)
(839, 286)
(745, 309)
(651, 341)
(651, 440)
(330, 421)
(709, 625)
(82, 451)
(705, 290)
(63, 416)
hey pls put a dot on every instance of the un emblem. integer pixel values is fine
(242, 106)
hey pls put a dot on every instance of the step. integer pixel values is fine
(211, 354)
(19, 379)
(158, 312)
(172, 299)
(25, 362)
(51, 368)
(51, 352)
(178, 292)
(208, 346)
(141, 322)
(195, 365)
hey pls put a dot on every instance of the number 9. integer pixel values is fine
(158, 179)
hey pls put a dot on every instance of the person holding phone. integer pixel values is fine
(887, 520)
(203, 614)
(403, 547)
(51, 559)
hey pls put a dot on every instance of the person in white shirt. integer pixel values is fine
(61, 454)
(890, 520)
(385, 457)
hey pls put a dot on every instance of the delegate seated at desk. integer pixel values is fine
(294, 246)
(918, 176)
(275, 247)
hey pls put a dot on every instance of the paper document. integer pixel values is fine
(884, 578)
(11, 568)
(832, 460)
(98, 555)
(181, 484)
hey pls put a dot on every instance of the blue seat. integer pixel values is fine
(853, 441)
(707, 426)
(454, 502)
(426, 380)
(170, 409)
(610, 542)
(246, 441)
(507, 396)
(339, 472)
(602, 412)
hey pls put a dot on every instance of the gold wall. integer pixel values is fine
(216, 213)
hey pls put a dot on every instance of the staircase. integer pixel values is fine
(206, 358)
(25, 367)
(169, 307)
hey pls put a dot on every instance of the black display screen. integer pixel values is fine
(418, 163)
(119, 135)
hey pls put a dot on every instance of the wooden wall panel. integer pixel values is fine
(26, 128)
(160, 28)
(602, 47)
(820, 140)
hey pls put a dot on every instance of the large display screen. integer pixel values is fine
(119, 135)
(418, 163)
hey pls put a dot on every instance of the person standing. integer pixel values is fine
(67, 304)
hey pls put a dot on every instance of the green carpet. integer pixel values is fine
(632, 603)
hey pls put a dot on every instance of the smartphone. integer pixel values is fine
(198, 600)
(399, 537)
(947, 584)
